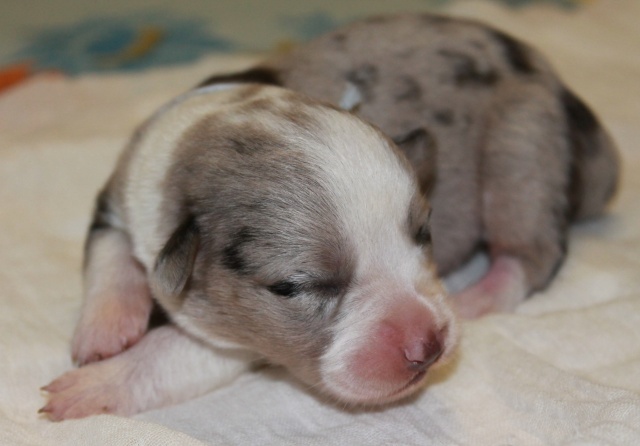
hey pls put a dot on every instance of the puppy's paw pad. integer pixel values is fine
(118, 326)
(90, 390)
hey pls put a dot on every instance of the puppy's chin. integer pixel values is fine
(363, 385)
(359, 393)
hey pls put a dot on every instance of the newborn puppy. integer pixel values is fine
(266, 225)
(509, 155)
(264, 222)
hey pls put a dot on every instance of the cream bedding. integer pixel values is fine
(565, 369)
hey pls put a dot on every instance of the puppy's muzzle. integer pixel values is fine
(391, 354)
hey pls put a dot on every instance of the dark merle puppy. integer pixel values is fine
(508, 154)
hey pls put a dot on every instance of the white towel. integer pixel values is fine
(565, 369)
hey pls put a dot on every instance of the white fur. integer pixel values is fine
(117, 300)
(372, 204)
(153, 157)
(165, 367)
(351, 98)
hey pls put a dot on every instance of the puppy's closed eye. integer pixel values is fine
(291, 288)
(285, 288)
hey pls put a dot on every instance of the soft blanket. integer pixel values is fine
(564, 369)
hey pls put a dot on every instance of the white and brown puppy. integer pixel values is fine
(509, 154)
(263, 222)
(259, 219)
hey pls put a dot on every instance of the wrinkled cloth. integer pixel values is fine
(563, 370)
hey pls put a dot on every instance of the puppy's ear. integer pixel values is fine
(421, 149)
(174, 264)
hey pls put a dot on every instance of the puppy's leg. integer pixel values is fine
(117, 298)
(524, 175)
(165, 367)
(502, 288)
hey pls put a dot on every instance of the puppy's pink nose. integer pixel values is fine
(423, 351)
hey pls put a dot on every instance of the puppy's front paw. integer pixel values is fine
(118, 324)
(90, 390)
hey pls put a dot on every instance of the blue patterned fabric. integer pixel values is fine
(144, 40)
(123, 44)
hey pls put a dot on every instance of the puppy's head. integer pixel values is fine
(304, 237)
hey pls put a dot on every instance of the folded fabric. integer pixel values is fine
(564, 369)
